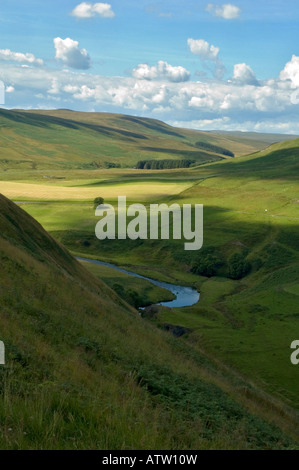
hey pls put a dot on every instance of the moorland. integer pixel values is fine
(84, 368)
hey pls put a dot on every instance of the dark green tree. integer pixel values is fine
(238, 267)
(98, 201)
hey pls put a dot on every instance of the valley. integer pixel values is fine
(77, 338)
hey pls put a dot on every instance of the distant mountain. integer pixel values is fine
(256, 136)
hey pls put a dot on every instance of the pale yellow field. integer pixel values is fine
(134, 191)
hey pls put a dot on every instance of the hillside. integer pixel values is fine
(69, 140)
(83, 370)
(279, 160)
(269, 137)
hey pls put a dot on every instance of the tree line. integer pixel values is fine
(163, 164)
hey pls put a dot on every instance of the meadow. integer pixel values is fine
(242, 327)
(239, 316)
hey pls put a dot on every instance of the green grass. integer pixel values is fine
(241, 331)
(84, 371)
(234, 199)
(66, 140)
(147, 293)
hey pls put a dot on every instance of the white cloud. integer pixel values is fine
(291, 71)
(207, 52)
(227, 124)
(209, 102)
(244, 75)
(9, 89)
(28, 58)
(89, 10)
(55, 89)
(161, 71)
(203, 49)
(71, 55)
(226, 11)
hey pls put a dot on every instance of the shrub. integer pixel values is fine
(98, 201)
(238, 267)
(208, 263)
(130, 296)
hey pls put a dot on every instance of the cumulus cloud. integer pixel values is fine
(71, 55)
(207, 102)
(291, 71)
(28, 58)
(203, 49)
(9, 89)
(90, 10)
(226, 11)
(162, 70)
(244, 75)
(207, 52)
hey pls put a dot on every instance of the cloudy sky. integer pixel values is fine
(192, 63)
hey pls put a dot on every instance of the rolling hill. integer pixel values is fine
(65, 139)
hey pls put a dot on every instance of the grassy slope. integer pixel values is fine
(66, 140)
(84, 371)
(251, 323)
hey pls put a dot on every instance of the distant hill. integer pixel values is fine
(256, 136)
(64, 139)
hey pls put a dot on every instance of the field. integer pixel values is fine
(247, 271)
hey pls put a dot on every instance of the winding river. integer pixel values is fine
(185, 296)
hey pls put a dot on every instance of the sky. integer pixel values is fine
(192, 63)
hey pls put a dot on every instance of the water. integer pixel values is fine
(185, 296)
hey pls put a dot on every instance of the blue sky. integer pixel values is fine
(201, 64)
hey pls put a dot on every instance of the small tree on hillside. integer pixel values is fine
(238, 267)
(98, 201)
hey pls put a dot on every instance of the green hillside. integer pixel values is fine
(250, 211)
(84, 371)
(81, 361)
(69, 140)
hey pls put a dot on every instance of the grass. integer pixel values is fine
(84, 371)
(147, 293)
(68, 141)
(40, 192)
(241, 330)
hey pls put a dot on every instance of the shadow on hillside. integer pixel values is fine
(280, 164)
(224, 229)
(44, 121)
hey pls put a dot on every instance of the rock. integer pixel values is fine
(176, 330)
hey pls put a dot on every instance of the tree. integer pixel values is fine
(208, 262)
(98, 201)
(238, 267)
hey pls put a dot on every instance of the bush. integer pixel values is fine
(130, 296)
(238, 267)
(208, 263)
(98, 201)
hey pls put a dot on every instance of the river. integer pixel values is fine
(185, 296)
